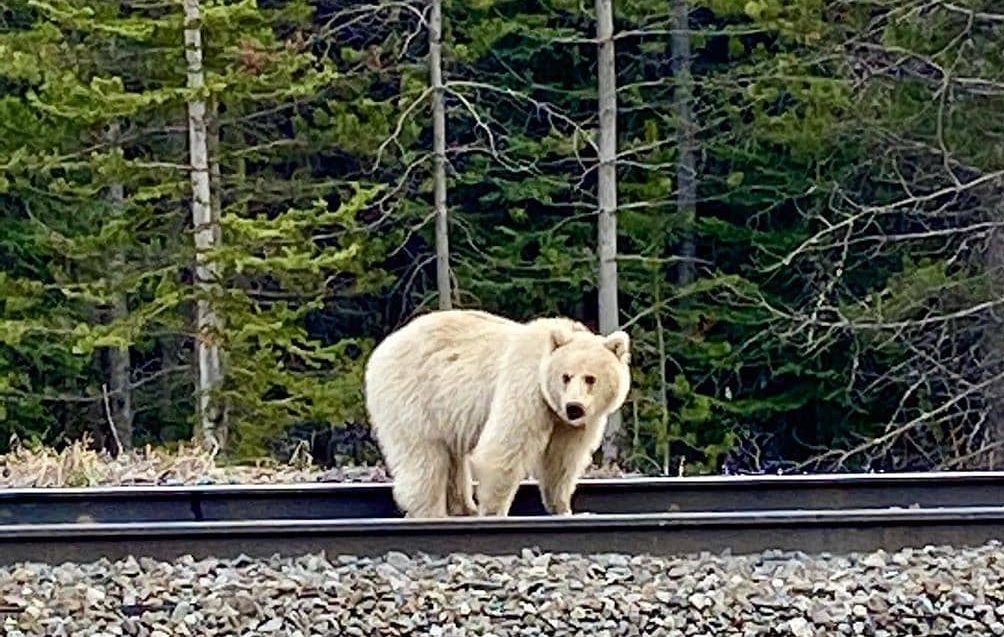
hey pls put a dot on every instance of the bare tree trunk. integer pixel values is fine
(216, 201)
(206, 231)
(664, 421)
(607, 191)
(216, 188)
(120, 391)
(120, 388)
(686, 172)
(439, 155)
(993, 344)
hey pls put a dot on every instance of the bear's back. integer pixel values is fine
(439, 370)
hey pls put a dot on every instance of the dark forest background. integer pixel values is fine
(809, 217)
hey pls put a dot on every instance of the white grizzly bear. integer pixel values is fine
(512, 398)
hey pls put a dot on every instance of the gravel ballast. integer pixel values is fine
(931, 591)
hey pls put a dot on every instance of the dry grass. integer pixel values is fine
(80, 465)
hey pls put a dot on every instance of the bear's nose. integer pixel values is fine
(574, 411)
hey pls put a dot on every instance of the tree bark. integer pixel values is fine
(215, 187)
(993, 356)
(205, 227)
(439, 155)
(216, 210)
(686, 172)
(119, 386)
(607, 194)
(118, 359)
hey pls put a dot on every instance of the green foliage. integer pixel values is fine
(841, 288)
(291, 237)
(71, 250)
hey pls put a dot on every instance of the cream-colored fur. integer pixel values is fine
(459, 394)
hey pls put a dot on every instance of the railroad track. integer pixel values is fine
(742, 514)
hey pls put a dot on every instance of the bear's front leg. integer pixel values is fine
(497, 485)
(565, 459)
(501, 460)
(460, 493)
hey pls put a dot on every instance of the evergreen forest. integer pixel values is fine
(212, 210)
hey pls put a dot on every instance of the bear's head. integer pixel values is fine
(585, 377)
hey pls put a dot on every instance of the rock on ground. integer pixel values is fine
(931, 591)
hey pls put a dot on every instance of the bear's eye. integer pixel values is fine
(590, 380)
(565, 378)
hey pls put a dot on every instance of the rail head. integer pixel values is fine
(779, 519)
(743, 532)
(840, 480)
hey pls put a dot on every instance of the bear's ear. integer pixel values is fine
(620, 344)
(560, 337)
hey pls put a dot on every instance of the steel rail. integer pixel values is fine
(834, 531)
(326, 501)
